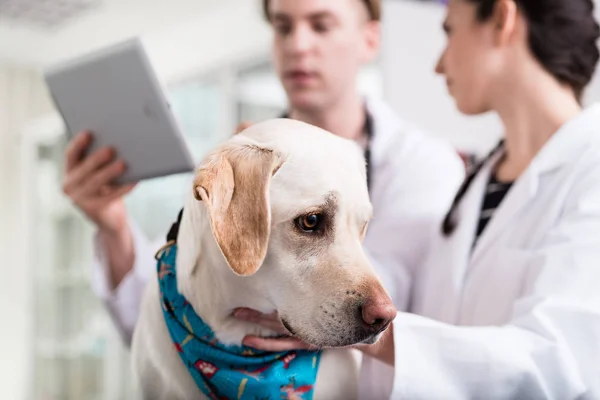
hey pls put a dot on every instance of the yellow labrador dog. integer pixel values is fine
(274, 222)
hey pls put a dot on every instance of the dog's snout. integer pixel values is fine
(358, 314)
(376, 316)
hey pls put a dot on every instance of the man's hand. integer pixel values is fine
(87, 183)
(242, 126)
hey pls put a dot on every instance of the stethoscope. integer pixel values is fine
(368, 130)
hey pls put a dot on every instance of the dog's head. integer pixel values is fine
(288, 205)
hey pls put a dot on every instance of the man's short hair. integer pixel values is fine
(373, 8)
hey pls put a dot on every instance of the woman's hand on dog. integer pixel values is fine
(272, 322)
(383, 350)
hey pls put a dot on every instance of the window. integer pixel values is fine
(74, 342)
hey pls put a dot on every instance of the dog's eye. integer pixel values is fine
(309, 223)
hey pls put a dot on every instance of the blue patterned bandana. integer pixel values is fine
(230, 372)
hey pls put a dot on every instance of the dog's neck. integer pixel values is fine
(214, 292)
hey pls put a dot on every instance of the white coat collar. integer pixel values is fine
(569, 141)
(387, 126)
(564, 147)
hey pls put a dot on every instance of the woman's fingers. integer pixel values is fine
(272, 322)
(269, 321)
(276, 344)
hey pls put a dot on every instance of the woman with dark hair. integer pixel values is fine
(507, 306)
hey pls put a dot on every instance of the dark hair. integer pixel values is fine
(373, 7)
(562, 36)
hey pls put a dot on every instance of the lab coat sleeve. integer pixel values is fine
(413, 189)
(123, 302)
(550, 349)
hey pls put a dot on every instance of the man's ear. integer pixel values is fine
(372, 41)
(234, 185)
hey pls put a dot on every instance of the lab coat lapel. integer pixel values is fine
(459, 244)
(453, 255)
(559, 150)
(521, 192)
(386, 126)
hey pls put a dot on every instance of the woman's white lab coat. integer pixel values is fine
(518, 315)
(414, 179)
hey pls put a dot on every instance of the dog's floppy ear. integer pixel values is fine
(234, 186)
(189, 238)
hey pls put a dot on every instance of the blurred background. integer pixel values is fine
(56, 339)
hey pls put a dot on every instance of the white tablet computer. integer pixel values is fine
(115, 94)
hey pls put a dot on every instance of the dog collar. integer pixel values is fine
(229, 372)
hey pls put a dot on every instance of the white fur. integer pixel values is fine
(301, 287)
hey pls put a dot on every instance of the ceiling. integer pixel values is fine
(40, 32)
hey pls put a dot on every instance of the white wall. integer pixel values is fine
(22, 97)
(230, 33)
(412, 42)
